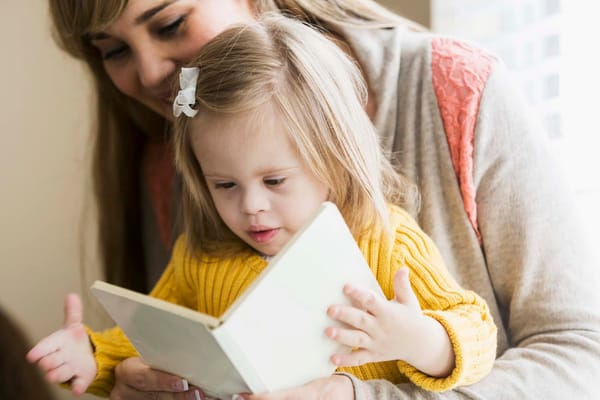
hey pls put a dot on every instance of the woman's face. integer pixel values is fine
(143, 49)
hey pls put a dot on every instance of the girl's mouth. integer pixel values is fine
(263, 236)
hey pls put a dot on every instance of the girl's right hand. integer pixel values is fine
(134, 380)
(66, 355)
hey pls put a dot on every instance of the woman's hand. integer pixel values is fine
(134, 380)
(335, 387)
(381, 330)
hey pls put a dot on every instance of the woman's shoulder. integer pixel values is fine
(415, 44)
(454, 56)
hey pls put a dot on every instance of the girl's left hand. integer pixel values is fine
(378, 329)
(334, 387)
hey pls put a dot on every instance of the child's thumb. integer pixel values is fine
(402, 289)
(73, 309)
(79, 385)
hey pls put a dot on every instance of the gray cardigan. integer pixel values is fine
(532, 264)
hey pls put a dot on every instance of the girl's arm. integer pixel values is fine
(442, 335)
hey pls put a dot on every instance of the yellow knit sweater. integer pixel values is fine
(211, 285)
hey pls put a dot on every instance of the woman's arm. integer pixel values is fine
(544, 273)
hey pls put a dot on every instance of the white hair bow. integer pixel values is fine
(186, 97)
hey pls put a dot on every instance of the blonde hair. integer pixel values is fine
(320, 94)
(123, 124)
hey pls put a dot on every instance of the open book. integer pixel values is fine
(272, 337)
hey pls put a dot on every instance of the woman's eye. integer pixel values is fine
(171, 28)
(115, 53)
(273, 181)
(224, 185)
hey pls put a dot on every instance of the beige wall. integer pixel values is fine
(44, 125)
(417, 10)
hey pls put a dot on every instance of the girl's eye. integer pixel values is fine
(274, 181)
(224, 185)
(171, 28)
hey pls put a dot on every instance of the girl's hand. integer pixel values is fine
(335, 387)
(382, 330)
(67, 355)
(134, 380)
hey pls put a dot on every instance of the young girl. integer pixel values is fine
(271, 123)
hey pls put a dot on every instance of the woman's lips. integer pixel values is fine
(264, 235)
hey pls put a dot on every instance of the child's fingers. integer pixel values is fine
(46, 346)
(79, 385)
(364, 299)
(73, 309)
(52, 361)
(352, 359)
(61, 374)
(403, 290)
(352, 316)
(349, 337)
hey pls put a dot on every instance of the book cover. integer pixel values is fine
(272, 337)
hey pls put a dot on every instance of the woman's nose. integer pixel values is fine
(154, 68)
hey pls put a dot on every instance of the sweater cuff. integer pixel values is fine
(436, 384)
(110, 348)
(474, 353)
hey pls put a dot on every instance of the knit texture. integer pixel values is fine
(211, 285)
(459, 73)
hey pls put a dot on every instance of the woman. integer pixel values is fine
(458, 129)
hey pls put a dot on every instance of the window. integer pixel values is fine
(551, 46)
(551, 86)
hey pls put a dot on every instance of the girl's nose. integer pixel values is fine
(255, 201)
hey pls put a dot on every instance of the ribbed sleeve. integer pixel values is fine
(111, 347)
(464, 315)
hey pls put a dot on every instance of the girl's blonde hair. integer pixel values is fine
(123, 125)
(320, 95)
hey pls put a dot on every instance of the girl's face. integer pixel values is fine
(144, 47)
(260, 186)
